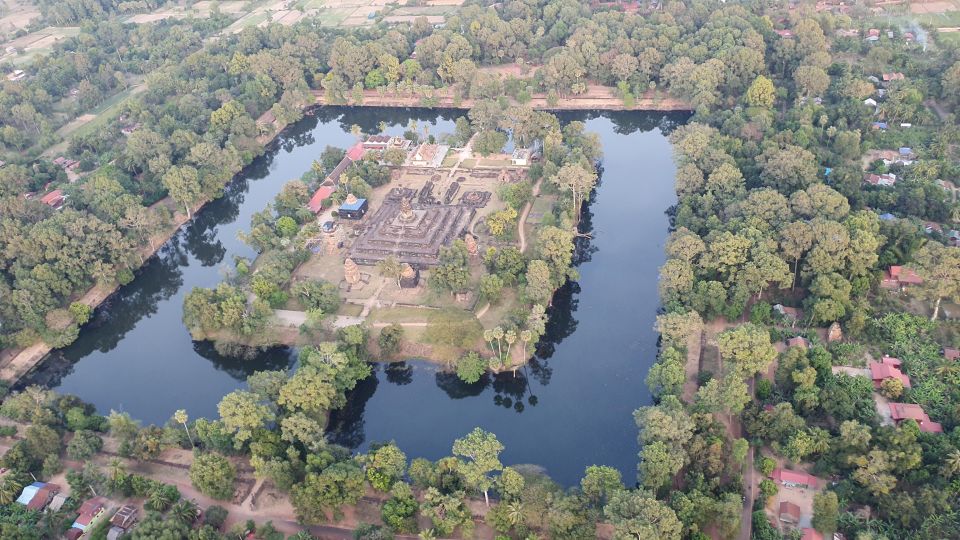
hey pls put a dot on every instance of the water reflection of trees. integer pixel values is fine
(346, 426)
(369, 118)
(399, 373)
(241, 366)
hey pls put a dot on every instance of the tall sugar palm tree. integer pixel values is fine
(181, 417)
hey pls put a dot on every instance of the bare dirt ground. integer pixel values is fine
(597, 97)
(19, 15)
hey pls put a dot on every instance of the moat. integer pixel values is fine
(569, 408)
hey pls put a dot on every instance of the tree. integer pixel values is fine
(470, 367)
(637, 515)
(180, 416)
(539, 287)
(577, 180)
(599, 483)
(826, 512)
(337, 485)
(761, 93)
(84, 445)
(481, 451)
(939, 266)
(749, 348)
(213, 475)
(489, 142)
(183, 183)
(390, 340)
(385, 465)
(391, 268)
(243, 412)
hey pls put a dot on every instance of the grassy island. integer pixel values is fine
(437, 246)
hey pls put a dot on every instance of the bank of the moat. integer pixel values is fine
(570, 407)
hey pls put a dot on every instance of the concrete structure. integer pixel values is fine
(37, 495)
(789, 513)
(884, 180)
(428, 155)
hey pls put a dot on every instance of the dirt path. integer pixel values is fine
(695, 347)
(523, 219)
(483, 310)
(596, 97)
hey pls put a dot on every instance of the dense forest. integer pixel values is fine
(776, 237)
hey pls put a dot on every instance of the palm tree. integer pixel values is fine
(184, 511)
(9, 490)
(498, 335)
(515, 515)
(511, 338)
(488, 337)
(159, 500)
(181, 417)
(428, 534)
(951, 465)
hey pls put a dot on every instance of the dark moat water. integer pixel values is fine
(570, 408)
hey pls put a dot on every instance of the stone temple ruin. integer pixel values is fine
(412, 227)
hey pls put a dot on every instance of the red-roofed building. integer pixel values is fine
(911, 411)
(798, 341)
(90, 510)
(884, 180)
(322, 194)
(896, 76)
(789, 513)
(888, 368)
(355, 153)
(790, 478)
(898, 277)
(54, 199)
(811, 534)
(43, 496)
(951, 353)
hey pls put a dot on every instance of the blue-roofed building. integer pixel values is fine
(29, 492)
(827, 171)
(353, 208)
(906, 151)
(879, 125)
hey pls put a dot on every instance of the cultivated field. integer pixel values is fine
(34, 43)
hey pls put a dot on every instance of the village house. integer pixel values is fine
(885, 180)
(809, 533)
(798, 341)
(55, 199)
(794, 479)
(950, 353)
(37, 495)
(879, 125)
(57, 502)
(911, 411)
(909, 37)
(931, 227)
(788, 312)
(121, 521)
(894, 76)
(786, 34)
(848, 32)
(898, 277)
(428, 155)
(66, 163)
(16, 75)
(89, 511)
(887, 368)
(873, 34)
(789, 514)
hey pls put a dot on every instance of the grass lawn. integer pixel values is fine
(350, 310)
(333, 17)
(399, 314)
(104, 113)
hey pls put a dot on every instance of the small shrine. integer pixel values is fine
(351, 272)
(471, 242)
(409, 277)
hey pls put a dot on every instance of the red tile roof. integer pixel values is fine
(355, 152)
(880, 371)
(905, 275)
(54, 198)
(316, 202)
(794, 477)
(790, 509)
(912, 411)
(811, 534)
